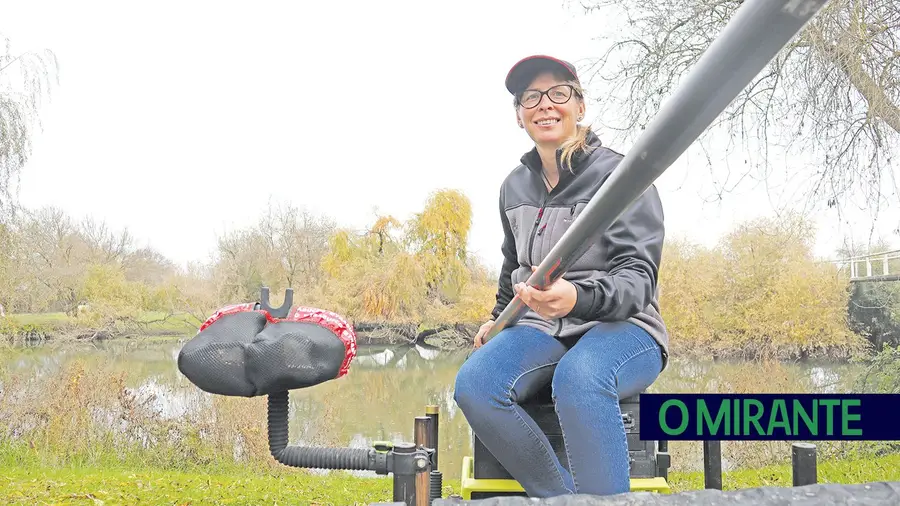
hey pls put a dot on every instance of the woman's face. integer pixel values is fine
(549, 123)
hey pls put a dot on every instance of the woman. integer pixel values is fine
(596, 333)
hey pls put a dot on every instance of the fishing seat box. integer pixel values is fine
(645, 459)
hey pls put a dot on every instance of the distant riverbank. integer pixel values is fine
(60, 327)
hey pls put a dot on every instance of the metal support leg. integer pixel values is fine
(712, 464)
(803, 464)
(663, 459)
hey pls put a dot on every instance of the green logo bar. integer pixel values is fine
(753, 418)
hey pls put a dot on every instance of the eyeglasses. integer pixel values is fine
(559, 94)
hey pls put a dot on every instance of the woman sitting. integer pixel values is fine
(596, 334)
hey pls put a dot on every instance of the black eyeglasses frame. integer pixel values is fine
(572, 92)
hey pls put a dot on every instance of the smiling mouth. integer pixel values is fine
(547, 122)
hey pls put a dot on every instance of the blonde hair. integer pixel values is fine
(577, 142)
(574, 144)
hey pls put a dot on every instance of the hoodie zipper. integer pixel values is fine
(538, 229)
(534, 229)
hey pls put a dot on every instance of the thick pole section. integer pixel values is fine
(423, 476)
(803, 464)
(712, 464)
(756, 33)
(423, 489)
(421, 429)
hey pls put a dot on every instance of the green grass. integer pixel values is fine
(122, 486)
(884, 468)
(39, 319)
(89, 486)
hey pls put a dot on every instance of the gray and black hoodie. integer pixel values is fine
(616, 278)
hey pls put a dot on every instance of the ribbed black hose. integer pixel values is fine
(437, 485)
(299, 456)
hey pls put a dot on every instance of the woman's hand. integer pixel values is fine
(556, 301)
(485, 328)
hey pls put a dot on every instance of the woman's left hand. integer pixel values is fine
(553, 302)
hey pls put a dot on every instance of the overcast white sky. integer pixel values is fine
(179, 120)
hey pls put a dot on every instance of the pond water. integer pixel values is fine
(386, 388)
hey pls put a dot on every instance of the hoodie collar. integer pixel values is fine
(532, 159)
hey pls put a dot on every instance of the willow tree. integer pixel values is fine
(832, 95)
(25, 79)
(439, 235)
(370, 277)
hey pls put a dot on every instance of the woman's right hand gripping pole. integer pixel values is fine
(483, 331)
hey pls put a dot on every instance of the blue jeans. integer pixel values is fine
(609, 362)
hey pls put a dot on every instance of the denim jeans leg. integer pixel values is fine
(611, 361)
(508, 369)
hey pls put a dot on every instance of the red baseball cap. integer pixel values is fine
(525, 70)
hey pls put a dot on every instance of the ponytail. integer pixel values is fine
(577, 143)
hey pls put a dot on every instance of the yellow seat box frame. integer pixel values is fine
(482, 476)
(474, 488)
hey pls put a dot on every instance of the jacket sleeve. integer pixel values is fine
(510, 262)
(634, 249)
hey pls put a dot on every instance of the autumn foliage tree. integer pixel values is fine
(758, 293)
(439, 236)
(371, 277)
(413, 272)
(83, 269)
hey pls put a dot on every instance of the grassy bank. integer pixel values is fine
(43, 485)
(60, 326)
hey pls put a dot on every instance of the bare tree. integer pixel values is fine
(833, 94)
(52, 255)
(297, 239)
(106, 245)
(284, 249)
(148, 266)
(25, 78)
(9, 270)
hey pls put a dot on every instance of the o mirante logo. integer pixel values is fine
(700, 417)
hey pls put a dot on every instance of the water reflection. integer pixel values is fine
(388, 386)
